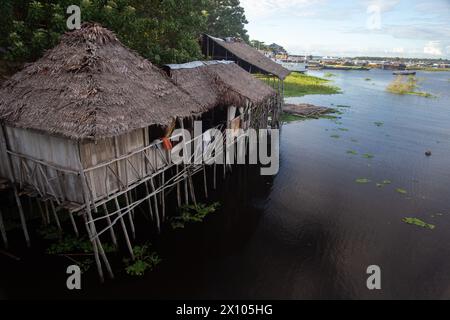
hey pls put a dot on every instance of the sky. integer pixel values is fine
(403, 28)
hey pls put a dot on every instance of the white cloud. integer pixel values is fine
(382, 5)
(398, 50)
(433, 48)
(263, 8)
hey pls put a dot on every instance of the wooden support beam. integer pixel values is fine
(3, 230)
(111, 227)
(124, 229)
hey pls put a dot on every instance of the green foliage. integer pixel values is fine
(163, 31)
(226, 18)
(193, 213)
(362, 181)
(401, 191)
(419, 223)
(71, 244)
(145, 260)
(297, 85)
(402, 86)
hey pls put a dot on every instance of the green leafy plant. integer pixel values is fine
(402, 191)
(144, 261)
(419, 223)
(193, 213)
(362, 180)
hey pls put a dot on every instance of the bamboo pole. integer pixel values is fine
(130, 217)
(44, 218)
(74, 225)
(55, 215)
(215, 175)
(124, 228)
(205, 183)
(16, 193)
(149, 201)
(191, 185)
(155, 200)
(3, 230)
(178, 189)
(111, 227)
(163, 201)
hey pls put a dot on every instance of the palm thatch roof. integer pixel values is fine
(246, 56)
(213, 83)
(91, 87)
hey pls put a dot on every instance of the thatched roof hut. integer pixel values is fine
(89, 104)
(213, 83)
(244, 55)
(91, 86)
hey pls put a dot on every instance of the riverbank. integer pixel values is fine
(298, 85)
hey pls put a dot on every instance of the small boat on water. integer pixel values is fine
(405, 73)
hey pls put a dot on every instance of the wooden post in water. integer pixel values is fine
(124, 228)
(3, 230)
(16, 193)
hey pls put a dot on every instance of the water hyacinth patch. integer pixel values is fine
(362, 180)
(419, 223)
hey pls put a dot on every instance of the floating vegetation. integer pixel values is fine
(354, 140)
(362, 180)
(193, 213)
(343, 129)
(342, 106)
(335, 136)
(384, 183)
(368, 79)
(70, 244)
(298, 85)
(402, 86)
(329, 75)
(419, 223)
(145, 260)
(353, 152)
(368, 156)
(338, 123)
(402, 191)
(379, 123)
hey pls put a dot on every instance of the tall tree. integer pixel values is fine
(226, 18)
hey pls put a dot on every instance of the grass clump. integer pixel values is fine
(193, 213)
(409, 85)
(144, 260)
(298, 85)
(419, 223)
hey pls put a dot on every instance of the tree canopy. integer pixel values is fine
(163, 31)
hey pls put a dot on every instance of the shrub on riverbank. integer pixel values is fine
(298, 85)
(402, 85)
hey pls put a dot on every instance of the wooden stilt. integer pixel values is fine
(55, 215)
(163, 201)
(149, 201)
(124, 228)
(155, 199)
(16, 193)
(111, 227)
(94, 248)
(130, 217)
(191, 185)
(47, 212)
(101, 250)
(215, 176)
(22, 217)
(178, 188)
(205, 182)
(74, 224)
(44, 218)
(3, 231)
